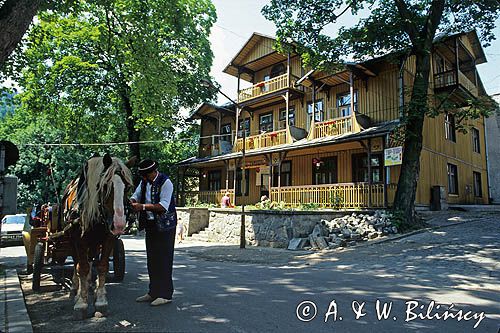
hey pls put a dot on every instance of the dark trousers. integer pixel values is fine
(160, 252)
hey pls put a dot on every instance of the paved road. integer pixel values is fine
(459, 265)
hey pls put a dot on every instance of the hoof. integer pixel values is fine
(102, 308)
(79, 314)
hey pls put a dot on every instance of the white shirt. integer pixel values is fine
(165, 195)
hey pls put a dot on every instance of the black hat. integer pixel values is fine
(146, 166)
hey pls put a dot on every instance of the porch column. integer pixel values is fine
(369, 172)
(351, 92)
(234, 178)
(457, 60)
(270, 180)
(226, 164)
(287, 95)
(384, 174)
(237, 114)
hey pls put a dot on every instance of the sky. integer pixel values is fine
(238, 19)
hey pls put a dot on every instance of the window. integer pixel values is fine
(291, 117)
(325, 171)
(476, 144)
(277, 70)
(478, 189)
(239, 178)
(449, 127)
(452, 179)
(247, 127)
(214, 180)
(319, 112)
(286, 174)
(360, 168)
(226, 132)
(266, 122)
(344, 104)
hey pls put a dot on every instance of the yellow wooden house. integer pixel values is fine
(331, 139)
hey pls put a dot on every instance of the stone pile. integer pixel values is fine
(346, 231)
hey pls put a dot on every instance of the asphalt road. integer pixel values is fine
(458, 265)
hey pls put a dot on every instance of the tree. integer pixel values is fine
(391, 26)
(120, 67)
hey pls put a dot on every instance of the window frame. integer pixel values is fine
(285, 175)
(267, 114)
(240, 126)
(358, 167)
(225, 135)
(476, 140)
(477, 184)
(291, 117)
(322, 170)
(452, 174)
(214, 181)
(338, 105)
(450, 130)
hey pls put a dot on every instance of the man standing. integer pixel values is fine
(154, 200)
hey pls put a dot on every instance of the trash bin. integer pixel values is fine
(438, 198)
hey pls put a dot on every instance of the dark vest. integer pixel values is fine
(164, 221)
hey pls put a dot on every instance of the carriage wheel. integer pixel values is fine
(118, 261)
(37, 266)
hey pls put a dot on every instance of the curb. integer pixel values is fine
(16, 318)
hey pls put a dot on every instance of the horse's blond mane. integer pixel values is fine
(98, 188)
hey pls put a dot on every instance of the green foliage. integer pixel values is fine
(336, 202)
(270, 205)
(116, 70)
(309, 206)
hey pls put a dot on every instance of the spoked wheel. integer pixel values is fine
(37, 266)
(118, 261)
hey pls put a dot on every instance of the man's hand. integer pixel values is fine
(137, 207)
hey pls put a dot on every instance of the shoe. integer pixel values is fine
(160, 301)
(145, 298)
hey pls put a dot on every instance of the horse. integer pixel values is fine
(93, 205)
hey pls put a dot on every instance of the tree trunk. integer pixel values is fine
(133, 134)
(15, 18)
(404, 201)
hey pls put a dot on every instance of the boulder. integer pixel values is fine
(298, 243)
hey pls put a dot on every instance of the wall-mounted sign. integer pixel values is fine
(393, 156)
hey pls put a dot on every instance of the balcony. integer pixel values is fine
(332, 127)
(215, 145)
(452, 79)
(336, 196)
(267, 89)
(268, 139)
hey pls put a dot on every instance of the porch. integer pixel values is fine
(336, 196)
(208, 197)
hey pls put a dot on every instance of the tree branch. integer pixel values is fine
(407, 18)
(432, 22)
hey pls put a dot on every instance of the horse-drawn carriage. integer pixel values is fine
(48, 245)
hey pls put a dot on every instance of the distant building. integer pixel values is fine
(493, 150)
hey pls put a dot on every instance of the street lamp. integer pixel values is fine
(208, 84)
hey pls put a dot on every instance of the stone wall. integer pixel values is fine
(193, 219)
(264, 228)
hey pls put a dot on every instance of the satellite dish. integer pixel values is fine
(11, 153)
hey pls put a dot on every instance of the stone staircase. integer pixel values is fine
(202, 236)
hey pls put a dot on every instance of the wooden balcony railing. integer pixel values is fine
(452, 78)
(337, 196)
(268, 139)
(265, 87)
(210, 197)
(333, 127)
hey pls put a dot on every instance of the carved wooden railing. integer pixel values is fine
(452, 78)
(265, 87)
(214, 197)
(268, 139)
(337, 196)
(333, 127)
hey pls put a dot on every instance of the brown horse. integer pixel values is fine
(94, 204)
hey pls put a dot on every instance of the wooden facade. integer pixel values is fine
(322, 141)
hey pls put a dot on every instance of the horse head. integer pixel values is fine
(102, 189)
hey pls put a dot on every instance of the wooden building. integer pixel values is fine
(331, 139)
